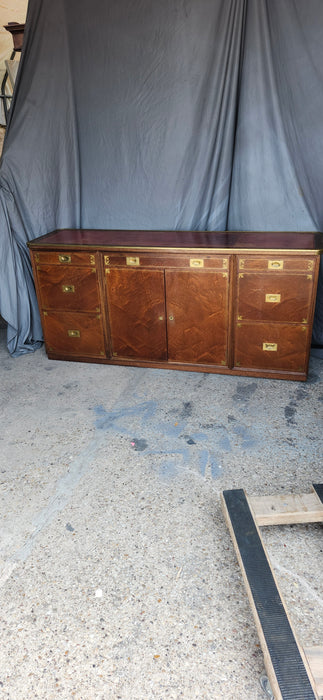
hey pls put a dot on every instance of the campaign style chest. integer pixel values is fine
(239, 303)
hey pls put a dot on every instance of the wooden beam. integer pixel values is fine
(287, 509)
(287, 668)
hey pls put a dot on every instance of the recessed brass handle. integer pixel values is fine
(273, 298)
(74, 334)
(275, 264)
(271, 347)
(196, 262)
(132, 261)
(65, 258)
(68, 288)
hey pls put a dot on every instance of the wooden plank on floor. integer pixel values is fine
(287, 509)
(286, 665)
(314, 657)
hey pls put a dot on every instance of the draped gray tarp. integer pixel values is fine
(160, 114)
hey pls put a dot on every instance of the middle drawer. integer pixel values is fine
(74, 288)
(275, 297)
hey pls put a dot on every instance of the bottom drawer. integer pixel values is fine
(272, 346)
(72, 333)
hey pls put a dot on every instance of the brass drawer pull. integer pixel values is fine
(273, 298)
(196, 262)
(74, 334)
(65, 258)
(275, 264)
(171, 318)
(132, 261)
(271, 347)
(68, 288)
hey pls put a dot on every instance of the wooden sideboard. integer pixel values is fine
(239, 303)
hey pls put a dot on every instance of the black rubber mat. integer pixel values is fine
(319, 490)
(286, 660)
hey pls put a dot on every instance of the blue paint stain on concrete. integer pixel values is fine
(120, 419)
(139, 444)
(148, 432)
(247, 439)
(215, 470)
(168, 469)
(225, 444)
(203, 461)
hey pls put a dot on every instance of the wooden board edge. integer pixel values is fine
(314, 657)
(267, 657)
(277, 510)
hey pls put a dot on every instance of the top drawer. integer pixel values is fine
(64, 258)
(164, 259)
(276, 263)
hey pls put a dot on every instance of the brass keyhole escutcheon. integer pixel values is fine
(171, 318)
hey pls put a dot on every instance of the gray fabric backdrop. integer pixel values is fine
(160, 114)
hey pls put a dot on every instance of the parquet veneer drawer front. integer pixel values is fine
(276, 263)
(64, 258)
(270, 346)
(227, 302)
(135, 259)
(69, 288)
(73, 333)
(274, 297)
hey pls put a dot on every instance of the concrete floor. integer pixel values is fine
(118, 575)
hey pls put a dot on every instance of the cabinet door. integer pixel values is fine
(136, 303)
(197, 316)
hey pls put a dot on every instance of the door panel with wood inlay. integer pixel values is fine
(136, 304)
(197, 316)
